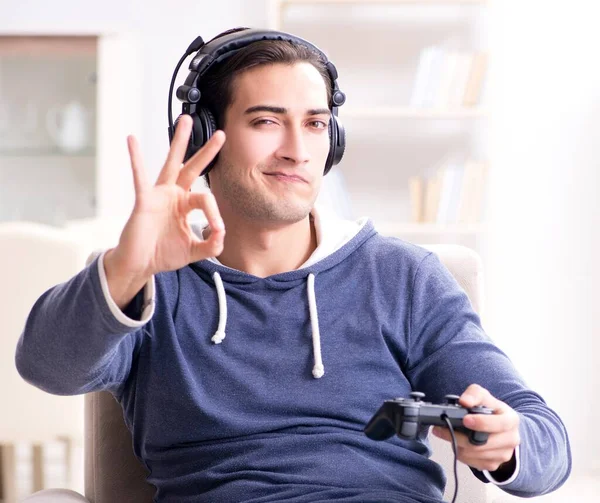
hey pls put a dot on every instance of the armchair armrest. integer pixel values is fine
(55, 496)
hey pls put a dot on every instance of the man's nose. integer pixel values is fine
(293, 146)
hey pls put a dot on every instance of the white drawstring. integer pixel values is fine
(220, 333)
(318, 369)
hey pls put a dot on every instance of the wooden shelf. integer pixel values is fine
(45, 152)
(413, 113)
(64, 45)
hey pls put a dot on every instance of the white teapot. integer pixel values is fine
(69, 126)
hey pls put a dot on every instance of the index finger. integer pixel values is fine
(503, 418)
(179, 145)
(498, 422)
(196, 164)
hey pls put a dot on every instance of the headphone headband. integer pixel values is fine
(221, 48)
(218, 50)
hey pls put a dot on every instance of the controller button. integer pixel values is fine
(452, 399)
(417, 395)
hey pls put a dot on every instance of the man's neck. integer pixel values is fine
(265, 252)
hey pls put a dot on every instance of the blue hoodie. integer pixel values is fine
(240, 388)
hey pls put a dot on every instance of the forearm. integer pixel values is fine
(449, 351)
(74, 341)
(545, 456)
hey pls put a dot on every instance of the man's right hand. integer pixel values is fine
(157, 237)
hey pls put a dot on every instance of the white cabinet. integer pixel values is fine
(399, 129)
(67, 104)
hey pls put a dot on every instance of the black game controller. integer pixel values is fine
(404, 416)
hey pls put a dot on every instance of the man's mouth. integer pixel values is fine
(287, 177)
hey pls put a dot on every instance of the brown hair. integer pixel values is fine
(216, 86)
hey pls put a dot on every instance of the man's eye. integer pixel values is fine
(318, 124)
(264, 121)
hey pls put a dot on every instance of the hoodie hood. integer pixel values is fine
(332, 232)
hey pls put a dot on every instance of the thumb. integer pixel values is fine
(476, 395)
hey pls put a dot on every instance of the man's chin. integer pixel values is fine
(287, 213)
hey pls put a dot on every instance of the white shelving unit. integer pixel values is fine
(376, 46)
(43, 179)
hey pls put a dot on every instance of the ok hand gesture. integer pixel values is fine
(157, 237)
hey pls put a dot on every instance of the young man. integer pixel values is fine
(248, 358)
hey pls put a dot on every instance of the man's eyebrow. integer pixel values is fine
(319, 111)
(282, 110)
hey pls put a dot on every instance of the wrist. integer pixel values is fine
(123, 284)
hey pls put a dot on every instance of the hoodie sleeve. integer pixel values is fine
(76, 340)
(448, 351)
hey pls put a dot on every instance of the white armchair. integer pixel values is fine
(33, 258)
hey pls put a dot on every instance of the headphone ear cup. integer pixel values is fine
(341, 142)
(203, 127)
(209, 126)
(337, 143)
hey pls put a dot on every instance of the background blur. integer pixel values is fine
(536, 126)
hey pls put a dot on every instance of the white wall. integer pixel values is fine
(544, 209)
(545, 106)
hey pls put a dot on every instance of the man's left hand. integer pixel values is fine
(502, 426)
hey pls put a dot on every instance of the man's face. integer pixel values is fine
(271, 166)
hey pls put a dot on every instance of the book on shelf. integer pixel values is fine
(474, 86)
(449, 195)
(432, 187)
(449, 78)
(451, 71)
(428, 70)
(416, 192)
(454, 194)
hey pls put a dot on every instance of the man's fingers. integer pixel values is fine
(196, 164)
(492, 461)
(508, 439)
(504, 420)
(140, 181)
(213, 245)
(179, 145)
(206, 202)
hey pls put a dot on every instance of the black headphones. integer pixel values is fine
(219, 49)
